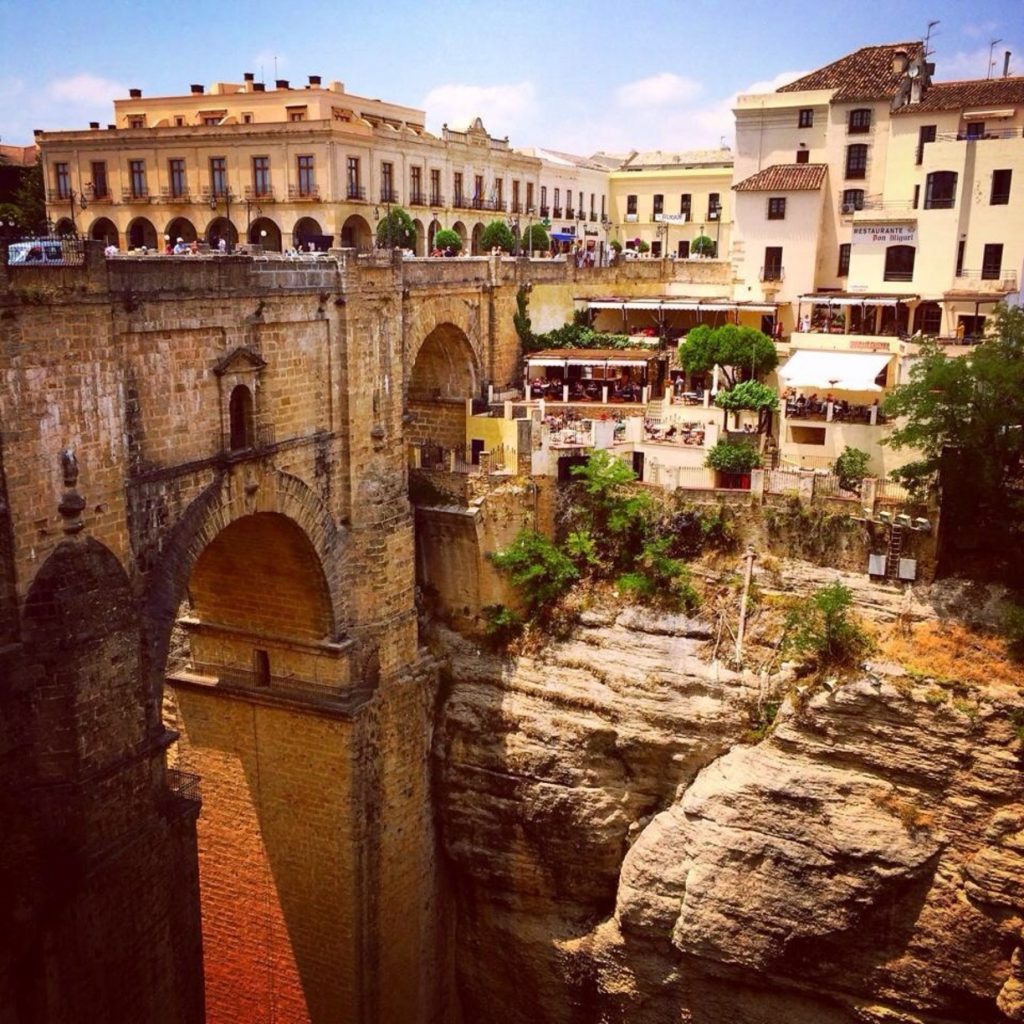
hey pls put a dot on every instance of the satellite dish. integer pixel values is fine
(913, 71)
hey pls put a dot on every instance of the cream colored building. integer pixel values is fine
(669, 199)
(278, 167)
(876, 206)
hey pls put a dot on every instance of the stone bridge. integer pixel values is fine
(206, 568)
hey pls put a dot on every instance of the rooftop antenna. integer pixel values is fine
(991, 61)
(928, 51)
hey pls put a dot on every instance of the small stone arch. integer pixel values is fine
(65, 226)
(141, 234)
(478, 231)
(356, 234)
(183, 228)
(104, 230)
(264, 232)
(306, 230)
(420, 245)
(221, 503)
(460, 229)
(242, 429)
(445, 373)
(432, 230)
(218, 228)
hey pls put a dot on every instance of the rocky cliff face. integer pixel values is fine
(618, 852)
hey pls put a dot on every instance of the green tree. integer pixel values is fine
(736, 350)
(821, 626)
(851, 467)
(658, 578)
(446, 238)
(30, 199)
(535, 239)
(499, 235)
(521, 318)
(616, 245)
(753, 395)
(642, 246)
(537, 569)
(733, 457)
(702, 246)
(396, 230)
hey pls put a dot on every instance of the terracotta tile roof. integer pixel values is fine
(976, 94)
(866, 74)
(785, 178)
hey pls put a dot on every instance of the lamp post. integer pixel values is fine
(79, 201)
(227, 215)
(513, 226)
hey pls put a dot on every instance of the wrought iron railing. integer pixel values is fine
(357, 192)
(310, 192)
(43, 251)
(186, 785)
(389, 195)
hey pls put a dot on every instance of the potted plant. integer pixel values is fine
(733, 461)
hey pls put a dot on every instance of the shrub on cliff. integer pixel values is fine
(538, 570)
(820, 626)
(659, 579)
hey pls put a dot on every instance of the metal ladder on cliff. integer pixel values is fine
(892, 556)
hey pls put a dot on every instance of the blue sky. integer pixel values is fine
(577, 75)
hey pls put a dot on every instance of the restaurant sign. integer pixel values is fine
(885, 234)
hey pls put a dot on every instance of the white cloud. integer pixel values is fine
(974, 63)
(663, 89)
(981, 28)
(85, 90)
(501, 107)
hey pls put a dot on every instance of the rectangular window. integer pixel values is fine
(593, 209)
(992, 262)
(387, 183)
(416, 186)
(569, 213)
(940, 190)
(580, 207)
(805, 119)
(604, 207)
(176, 177)
(261, 175)
(296, 115)
(777, 208)
(844, 260)
(529, 197)
(853, 200)
(925, 134)
(975, 130)
(558, 203)
(685, 201)
(457, 198)
(772, 269)
(714, 206)
(499, 198)
(218, 175)
(435, 187)
(857, 161)
(544, 211)
(211, 121)
(515, 197)
(917, 196)
(100, 188)
(859, 122)
(306, 176)
(62, 177)
(659, 206)
(1001, 187)
(803, 156)
(630, 206)
(246, 119)
(960, 258)
(478, 188)
(353, 188)
(137, 176)
(137, 121)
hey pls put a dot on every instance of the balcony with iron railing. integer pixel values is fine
(593, 216)
(557, 213)
(545, 211)
(516, 207)
(570, 213)
(184, 785)
(260, 193)
(304, 193)
(58, 195)
(992, 278)
(436, 199)
(135, 195)
(418, 198)
(389, 195)
(531, 210)
(356, 193)
(173, 195)
(771, 273)
(99, 194)
(962, 136)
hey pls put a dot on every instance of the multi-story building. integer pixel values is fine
(282, 166)
(669, 199)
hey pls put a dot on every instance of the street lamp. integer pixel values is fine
(513, 226)
(214, 196)
(82, 203)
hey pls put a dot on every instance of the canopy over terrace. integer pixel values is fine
(626, 372)
(671, 316)
(855, 312)
(836, 371)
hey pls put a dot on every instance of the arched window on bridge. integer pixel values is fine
(241, 417)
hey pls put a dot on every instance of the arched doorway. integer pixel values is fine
(356, 234)
(247, 704)
(104, 230)
(64, 227)
(460, 229)
(420, 247)
(141, 234)
(308, 230)
(263, 231)
(240, 411)
(444, 374)
(220, 228)
(478, 231)
(432, 230)
(183, 228)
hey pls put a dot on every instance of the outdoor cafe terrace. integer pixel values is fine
(599, 375)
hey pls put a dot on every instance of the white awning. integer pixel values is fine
(607, 362)
(857, 300)
(834, 371)
(547, 362)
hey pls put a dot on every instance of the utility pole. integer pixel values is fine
(749, 559)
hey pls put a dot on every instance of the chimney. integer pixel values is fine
(899, 61)
(197, 90)
(281, 83)
(94, 125)
(259, 86)
(135, 94)
(315, 79)
(111, 127)
(37, 132)
(1006, 64)
(249, 76)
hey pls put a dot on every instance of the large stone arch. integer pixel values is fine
(229, 498)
